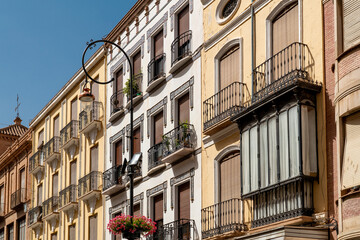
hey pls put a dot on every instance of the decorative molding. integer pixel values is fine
(117, 208)
(119, 135)
(133, 49)
(209, 140)
(187, 86)
(153, 29)
(150, 112)
(180, 179)
(174, 8)
(153, 191)
(138, 121)
(138, 198)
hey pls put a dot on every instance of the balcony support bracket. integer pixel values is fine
(91, 134)
(37, 231)
(70, 213)
(52, 221)
(71, 150)
(38, 176)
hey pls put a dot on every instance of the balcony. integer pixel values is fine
(2, 211)
(18, 198)
(178, 143)
(180, 51)
(90, 122)
(180, 229)
(116, 105)
(137, 174)
(69, 137)
(137, 94)
(50, 211)
(289, 199)
(68, 201)
(219, 107)
(89, 189)
(156, 71)
(155, 155)
(35, 219)
(52, 152)
(223, 218)
(36, 164)
(113, 180)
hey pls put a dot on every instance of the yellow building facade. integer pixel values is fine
(264, 152)
(67, 164)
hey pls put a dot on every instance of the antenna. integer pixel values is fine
(17, 105)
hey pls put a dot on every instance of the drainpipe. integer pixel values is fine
(252, 48)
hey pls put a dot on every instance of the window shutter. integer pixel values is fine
(93, 227)
(351, 162)
(230, 177)
(137, 147)
(229, 67)
(55, 188)
(39, 202)
(184, 201)
(119, 86)
(73, 172)
(74, 110)
(183, 109)
(56, 127)
(72, 232)
(158, 44)
(41, 137)
(137, 63)
(2, 196)
(22, 178)
(158, 207)
(351, 24)
(94, 158)
(183, 20)
(118, 153)
(158, 128)
(137, 210)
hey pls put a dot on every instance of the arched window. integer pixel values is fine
(230, 182)
(229, 67)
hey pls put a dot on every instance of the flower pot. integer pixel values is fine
(127, 235)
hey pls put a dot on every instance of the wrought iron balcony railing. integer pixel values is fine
(184, 229)
(91, 182)
(181, 47)
(51, 147)
(50, 206)
(182, 136)
(36, 160)
(136, 89)
(117, 101)
(35, 215)
(222, 218)
(18, 198)
(68, 195)
(89, 114)
(156, 68)
(224, 103)
(285, 200)
(293, 63)
(69, 131)
(155, 154)
(112, 177)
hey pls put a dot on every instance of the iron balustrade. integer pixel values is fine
(156, 68)
(2, 209)
(51, 147)
(285, 200)
(286, 67)
(50, 206)
(155, 154)
(91, 182)
(180, 137)
(137, 171)
(117, 101)
(18, 198)
(222, 218)
(184, 229)
(36, 160)
(224, 103)
(112, 177)
(35, 215)
(137, 88)
(68, 195)
(89, 114)
(181, 47)
(69, 131)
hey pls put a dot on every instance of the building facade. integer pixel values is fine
(15, 183)
(67, 161)
(163, 39)
(264, 137)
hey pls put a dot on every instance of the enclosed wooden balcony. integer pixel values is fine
(69, 137)
(89, 188)
(52, 152)
(36, 164)
(112, 180)
(89, 121)
(18, 199)
(156, 72)
(181, 51)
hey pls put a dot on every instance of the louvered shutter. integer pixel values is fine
(118, 152)
(158, 43)
(41, 137)
(229, 67)
(137, 63)
(55, 185)
(184, 109)
(137, 147)
(74, 115)
(94, 158)
(230, 181)
(184, 201)
(56, 127)
(158, 207)
(39, 195)
(351, 162)
(93, 227)
(158, 128)
(2, 198)
(351, 23)
(73, 172)
(118, 87)
(183, 20)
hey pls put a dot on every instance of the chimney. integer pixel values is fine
(17, 121)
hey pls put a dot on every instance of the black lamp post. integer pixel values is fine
(87, 96)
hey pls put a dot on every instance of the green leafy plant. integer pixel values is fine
(127, 90)
(166, 140)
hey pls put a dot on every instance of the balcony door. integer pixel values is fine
(73, 180)
(158, 214)
(74, 110)
(230, 181)
(158, 133)
(136, 140)
(183, 113)
(118, 102)
(2, 199)
(56, 132)
(22, 184)
(55, 188)
(118, 152)
(183, 27)
(183, 211)
(137, 63)
(158, 51)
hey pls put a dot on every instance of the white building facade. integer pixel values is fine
(163, 39)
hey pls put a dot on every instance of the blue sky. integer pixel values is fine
(41, 44)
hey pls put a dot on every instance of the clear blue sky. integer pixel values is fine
(41, 44)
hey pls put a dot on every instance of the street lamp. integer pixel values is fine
(87, 96)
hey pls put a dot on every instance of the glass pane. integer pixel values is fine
(245, 161)
(283, 146)
(264, 155)
(273, 165)
(308, 132)
(294, 141)
(254, 164)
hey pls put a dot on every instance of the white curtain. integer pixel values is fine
(272, 151)
(294, 141)
(283, 145)
(254, 164)
(308, 134)
(245, 161)
(264, 158)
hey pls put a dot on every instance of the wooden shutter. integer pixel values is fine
(93, 227)
(22, 178)
(13, 181)
(56, 132)
(229, 67)
(137, 210)
(351, 23)
(118, 153)
(285, 29)
(94, 158)
(72, 232)
(351, 162)
(39, 195)
(95, 90)
(158, 207)
(41, 137)
(74, 115)
(73, 173)
(119, 86)
(137, 145)
(137, 63)
(55, 185)
(184, 109)
(183, 20)
(230, 182)
(158, 43)
(2, 196)
(184, 201)
(158, 127)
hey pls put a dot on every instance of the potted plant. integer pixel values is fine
(166, 141)
(131, 226)
(135, 88)
(185, 134)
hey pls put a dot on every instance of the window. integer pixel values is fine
(274, 146)
(118, 87)
(39, 195)
(54, 236)
(56, 129)
(118, 236)
(23, 184)
(230, 177)
(95, 89)
(137, 63)
(350, 23)
(229, 67)
(21, 229)
(2, 234)
(183, 113)
(182, 42)
(183, 207)
(72, 232)
(157, 68)
(136, 140)
(137, 210)
(94, 158)
(55, 186)
(158, 44)
(183, 21)
(10, 230)
(73, 174)
(158, 128)
(41, 138)
(226, 9)
(93, 227)
(118, 152)
(2, 199)
(158, 205)
(74, 114)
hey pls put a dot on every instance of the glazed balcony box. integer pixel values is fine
(52, 152)
(69, 137)
(89, 120)
(113, 180)
(18, 199)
